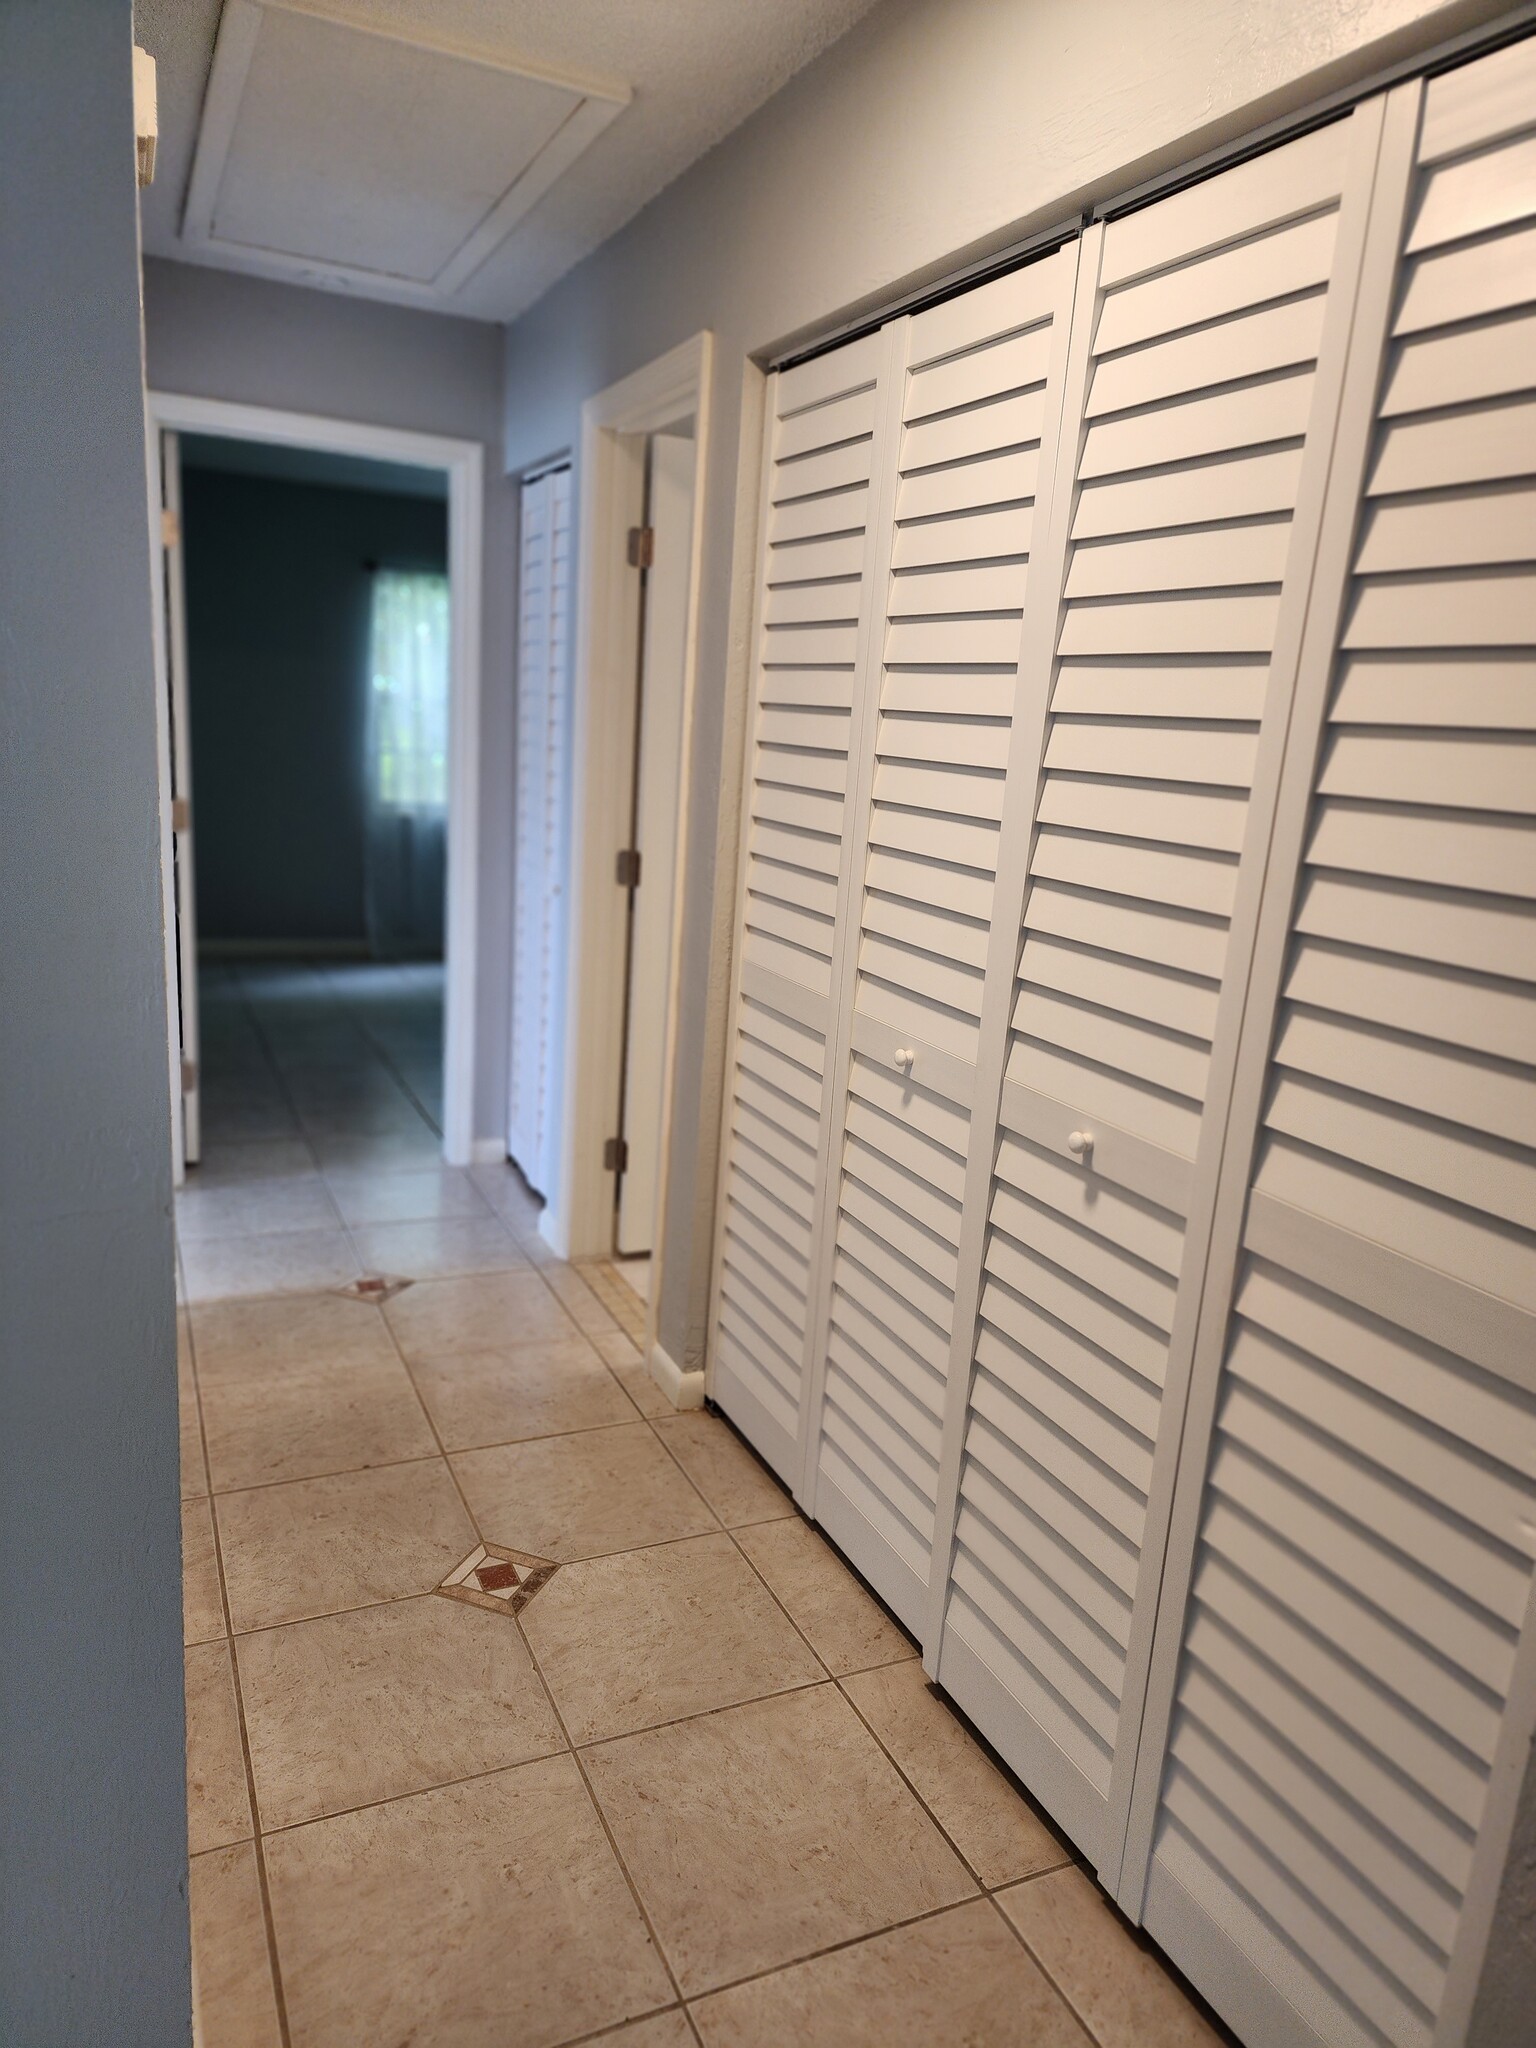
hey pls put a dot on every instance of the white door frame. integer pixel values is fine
(610, 481)
(464, 462)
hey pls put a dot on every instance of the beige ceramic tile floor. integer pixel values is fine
(697, 1792)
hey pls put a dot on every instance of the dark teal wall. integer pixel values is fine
(278, 631)
(93, 1825)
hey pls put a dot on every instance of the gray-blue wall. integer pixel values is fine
(279, 606)
(93, 1932)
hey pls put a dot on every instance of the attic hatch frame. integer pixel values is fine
(597, 102)
(464, 464)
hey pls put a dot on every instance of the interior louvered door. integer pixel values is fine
(1345, 1675)
(525, 1079)
(821, 522)
(544, 597)
(980, 400)
(1207, 355)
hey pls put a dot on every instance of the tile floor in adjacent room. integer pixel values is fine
(695, 1791)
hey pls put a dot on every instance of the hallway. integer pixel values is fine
(691, 1779)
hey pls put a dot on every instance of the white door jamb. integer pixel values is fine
(464, 462)
(578, 1223)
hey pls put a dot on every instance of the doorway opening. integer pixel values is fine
(317, 636)
(642, 465)
(649, 862)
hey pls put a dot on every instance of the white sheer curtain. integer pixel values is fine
(407, 766)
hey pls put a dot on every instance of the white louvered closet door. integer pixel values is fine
(980, 401)
(821, 521)
(1345, 1676)
(1207, 353)
(544, 597)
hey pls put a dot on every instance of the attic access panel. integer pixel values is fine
(341, 151)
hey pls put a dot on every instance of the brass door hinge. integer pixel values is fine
(170, 527)
(615, 1155)
(189, 1077)
(181, 814)
(626, 868)
(642, 546)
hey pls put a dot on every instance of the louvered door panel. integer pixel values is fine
(555, 820)
(819, 532)
(1202, 421)
(544, 597)
(1363, 1510)
(981, 399)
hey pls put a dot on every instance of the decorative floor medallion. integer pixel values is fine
(374, 1287)
(503, 1581)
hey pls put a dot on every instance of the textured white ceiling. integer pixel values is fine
(696, 68)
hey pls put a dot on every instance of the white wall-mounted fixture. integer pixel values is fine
(333, 151)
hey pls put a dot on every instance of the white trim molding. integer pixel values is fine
(682, 1389)
(610, 480)
(464, 462)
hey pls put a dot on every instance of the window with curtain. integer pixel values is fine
(407, 765)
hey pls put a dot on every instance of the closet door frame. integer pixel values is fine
(610, 490)
(750, 547)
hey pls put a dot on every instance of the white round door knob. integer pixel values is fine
(1080, 1142)
(905, 1056)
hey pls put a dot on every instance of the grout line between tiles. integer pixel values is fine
(331, 1472)
(602, 1818)
(310, 1820)
(978, 1742)
(543, 1267)
(385, 1058)
(393, 1599)
(274, 1962)
(838, 1680)
(1038, 1960)
(776, 1692)
(279, 1074)
(609, 2032)
(874, 1733)
(851, 1941)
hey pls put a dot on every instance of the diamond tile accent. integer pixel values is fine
(494, 1578)
(374, 1287)
(502, 1581)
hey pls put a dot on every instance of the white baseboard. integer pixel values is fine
(552, 1230)
(682, 1389)
(488, 1152)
